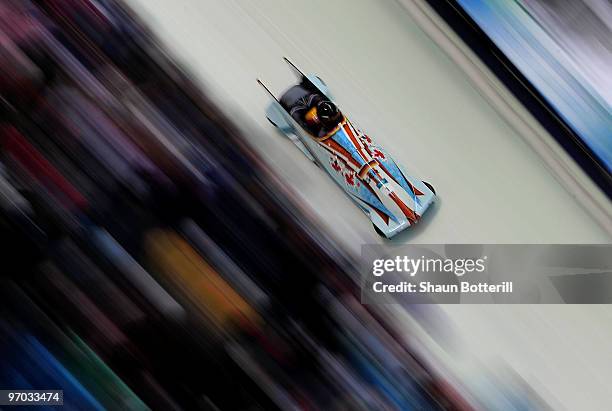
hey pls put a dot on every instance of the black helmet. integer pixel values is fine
(328, 113)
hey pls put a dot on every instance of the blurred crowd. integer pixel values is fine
(149, 259)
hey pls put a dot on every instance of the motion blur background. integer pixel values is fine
(164, 247)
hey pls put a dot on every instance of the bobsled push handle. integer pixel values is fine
(294, 67)
(268, 90)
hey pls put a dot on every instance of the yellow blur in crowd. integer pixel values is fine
(197, 282)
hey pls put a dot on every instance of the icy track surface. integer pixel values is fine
(400, 88)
